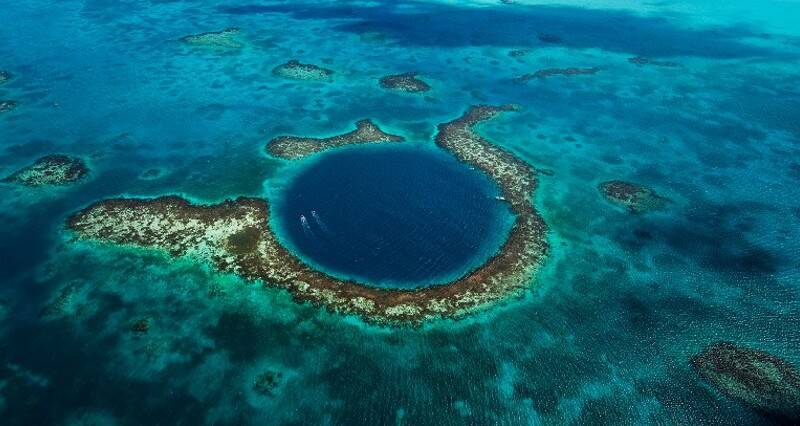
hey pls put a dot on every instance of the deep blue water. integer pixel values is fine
(393, 216)
(606, 331)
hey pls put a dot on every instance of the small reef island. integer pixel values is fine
(227, 38)
(295, 70)
(406, 82)
(235, 236)
(294, 147)
(636, 198)
(50, 170)
(759, 379)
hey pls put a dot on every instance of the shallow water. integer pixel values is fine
(606, 331)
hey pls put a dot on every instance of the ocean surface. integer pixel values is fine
(398, 217)
(710, 119)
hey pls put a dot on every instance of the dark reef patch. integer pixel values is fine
(266, 382)
(294, 70)
(636, 198)
(30, 148)
(50, 170)
(406, 82)
(8, 105)
(294, 147)
(759, 379)
(550, 72)
(707, 233)
(174, 225)
(141, 326)
(227, 38)
(794, 171)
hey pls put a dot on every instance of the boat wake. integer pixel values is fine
(306, 227)
(319, 222)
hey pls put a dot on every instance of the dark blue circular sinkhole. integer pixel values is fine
(393, 217)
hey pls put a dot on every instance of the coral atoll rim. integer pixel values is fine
(295, 147)
(235, 237)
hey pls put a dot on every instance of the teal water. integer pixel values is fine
(395, 217)
(606, 331)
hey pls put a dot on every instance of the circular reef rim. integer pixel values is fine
(235, 236)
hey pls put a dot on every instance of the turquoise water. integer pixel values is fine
(606, 331)
(394, 217)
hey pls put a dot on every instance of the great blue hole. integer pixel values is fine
(392, 216)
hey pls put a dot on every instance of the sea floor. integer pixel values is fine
(699, 101)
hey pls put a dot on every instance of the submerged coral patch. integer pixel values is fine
(266, 382)
(759, 379)
(150, 174)
(227, 38)
(8, 105)
(642, 61)
(235, 236)
(634, 197)
(141, 326)
(294, 147)
(5, 76)
(550, 72)
(406, 82)
(61, 302)
(294, 70)
(50, 170)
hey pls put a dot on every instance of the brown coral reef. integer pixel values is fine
(759, 379)
(50, 170)
(406, 82)
(227, 38)
(636, 198)
(294, 70)
(235, 237)
(294, 147)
